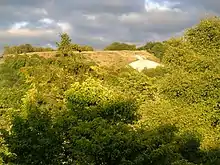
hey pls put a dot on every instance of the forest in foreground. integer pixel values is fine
(68, 110)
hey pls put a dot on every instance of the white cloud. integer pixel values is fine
(46, 20)
(28, 32)
(19, 25)
(90, 17)
(20, 29)
(65, 26)
(98, 22)
(151, 5)
(131, 18)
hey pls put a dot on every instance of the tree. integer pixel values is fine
(206, 35)
(120, 46)
(76, 47)
(193, 81)
(156, 48)
(24, 48)
(65, 45)
(87, 48)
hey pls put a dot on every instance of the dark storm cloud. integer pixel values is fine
(98, 22)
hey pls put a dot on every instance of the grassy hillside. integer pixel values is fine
(108, 58)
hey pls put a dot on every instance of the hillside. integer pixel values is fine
(108, 58)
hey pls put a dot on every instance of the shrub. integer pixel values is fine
(24, 48)
(156, 48)
(87, 48)
(205, 36)
(120, 46)
(90, 100)
(64, 46)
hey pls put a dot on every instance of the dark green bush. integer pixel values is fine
(120, 46)
(156, 48)
(155, 73)
(24, 48)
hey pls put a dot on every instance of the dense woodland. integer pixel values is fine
(69, 110)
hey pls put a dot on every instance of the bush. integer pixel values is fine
(24, 48)
(87, 48)
(192, 83)
(66, 139)
(155, 73)
(156, 48)
(205, 36)
(90, 100)
(64, 46)
(120, 46)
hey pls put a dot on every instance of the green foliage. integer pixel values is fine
(158, 72)
(206, 35)
(87, 48)
(12, 81)
(156, 48)
(24, 48)
(64, 46)
(128, 81)
(101, 143)
(38, 139)
(192, 86)
(90, 100)
(120, 46)
(34, 140)
(68, 110)
(76, 47)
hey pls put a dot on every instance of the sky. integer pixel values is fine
(98, 22)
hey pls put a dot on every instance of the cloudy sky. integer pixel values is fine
(98, 22)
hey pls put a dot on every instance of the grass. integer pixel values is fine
(108, 58)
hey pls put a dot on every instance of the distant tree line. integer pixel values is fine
(156, 48)
(24, 48)
(65, 46)
(120, 46)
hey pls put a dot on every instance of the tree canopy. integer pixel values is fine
(24, 48)
(120, 46)
(156, 48)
